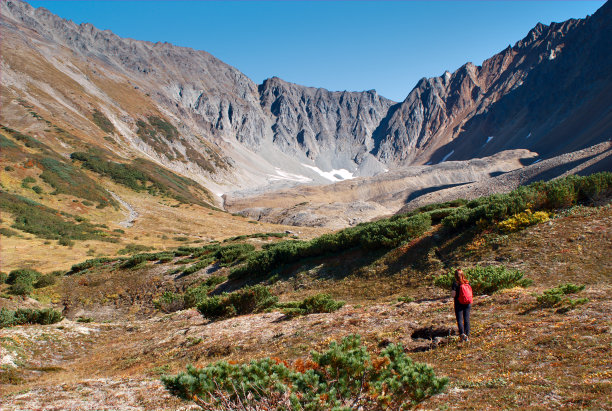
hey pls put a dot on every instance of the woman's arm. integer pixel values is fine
(453, 294)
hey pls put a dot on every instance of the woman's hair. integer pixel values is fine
(460, 277)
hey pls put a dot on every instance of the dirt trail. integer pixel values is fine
(132, 213)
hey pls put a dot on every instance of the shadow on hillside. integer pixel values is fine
(433, 252)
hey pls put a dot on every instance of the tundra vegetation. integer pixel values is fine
(246, 275)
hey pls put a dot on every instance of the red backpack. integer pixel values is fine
(465, 294)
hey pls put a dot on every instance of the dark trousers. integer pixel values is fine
(462, 312)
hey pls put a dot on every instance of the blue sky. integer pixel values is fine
(341, 45)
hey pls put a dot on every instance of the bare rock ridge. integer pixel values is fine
(550, 93)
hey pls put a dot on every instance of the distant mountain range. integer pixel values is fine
(550, 93)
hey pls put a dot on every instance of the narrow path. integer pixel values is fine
(132, 214)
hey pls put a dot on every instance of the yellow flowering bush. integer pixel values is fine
(522, 220)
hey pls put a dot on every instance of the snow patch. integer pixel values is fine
(488, 140)
(334, 175)
(537, 161)
(447, 156)
(528, 135)
(283, 175)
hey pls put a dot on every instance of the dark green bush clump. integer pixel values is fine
(486, 280)
(45, 281)
(10, 318)
(244, 301)
(374, 235)
(233, 254)
(549, 195)
(256, 235)
(85, 265)
(103, 122)
(22, 281)
(555, 297)
(318, 303)
(170, 301)
(134, 248)
(345, 376)
(7, 232)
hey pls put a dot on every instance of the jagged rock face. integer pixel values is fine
(549, 93)
(526, 90)
(332, 128)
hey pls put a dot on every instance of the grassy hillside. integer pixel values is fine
(57, 211)
(529, 338)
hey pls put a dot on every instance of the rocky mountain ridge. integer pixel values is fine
(233, 134)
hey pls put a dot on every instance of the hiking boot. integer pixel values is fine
(463, 337)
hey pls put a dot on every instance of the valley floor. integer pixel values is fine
(519, 356)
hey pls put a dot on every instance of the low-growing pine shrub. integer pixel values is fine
(10, 318)
(196, 295)
(318, 303)
(486, 280)
(345, 376)
(374, 235)
(45, 281)
(134, 248)
(87, 264)
(537, 196)
(169, 302)
(555, 297)
(22, 281)
(244, 301)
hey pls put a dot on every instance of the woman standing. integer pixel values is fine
(462, 296)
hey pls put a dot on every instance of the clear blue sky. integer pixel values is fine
(342, 45)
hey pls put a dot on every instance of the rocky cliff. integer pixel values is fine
(550, 93)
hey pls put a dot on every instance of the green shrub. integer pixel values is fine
(318, 303)
(196, 295)
(37, 189)
(45, 281)
(244, 301)
(537, 196)
(23, 275)
(21, 288)
(22, 281)
(144, 175)
(134, 248)
(65, 241)
(374, 235)
(556, 296)
(9, 168)
(25, 183)
(7, 232)
(3, 277)
(103, 122)
(85, 265)
(486, 280)
(10, 318)
(345, 376)
(45, 222)
(169, 302)
(138, 260)
(65, 178)
(233, 254)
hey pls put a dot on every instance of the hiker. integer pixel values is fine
(462, 296)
